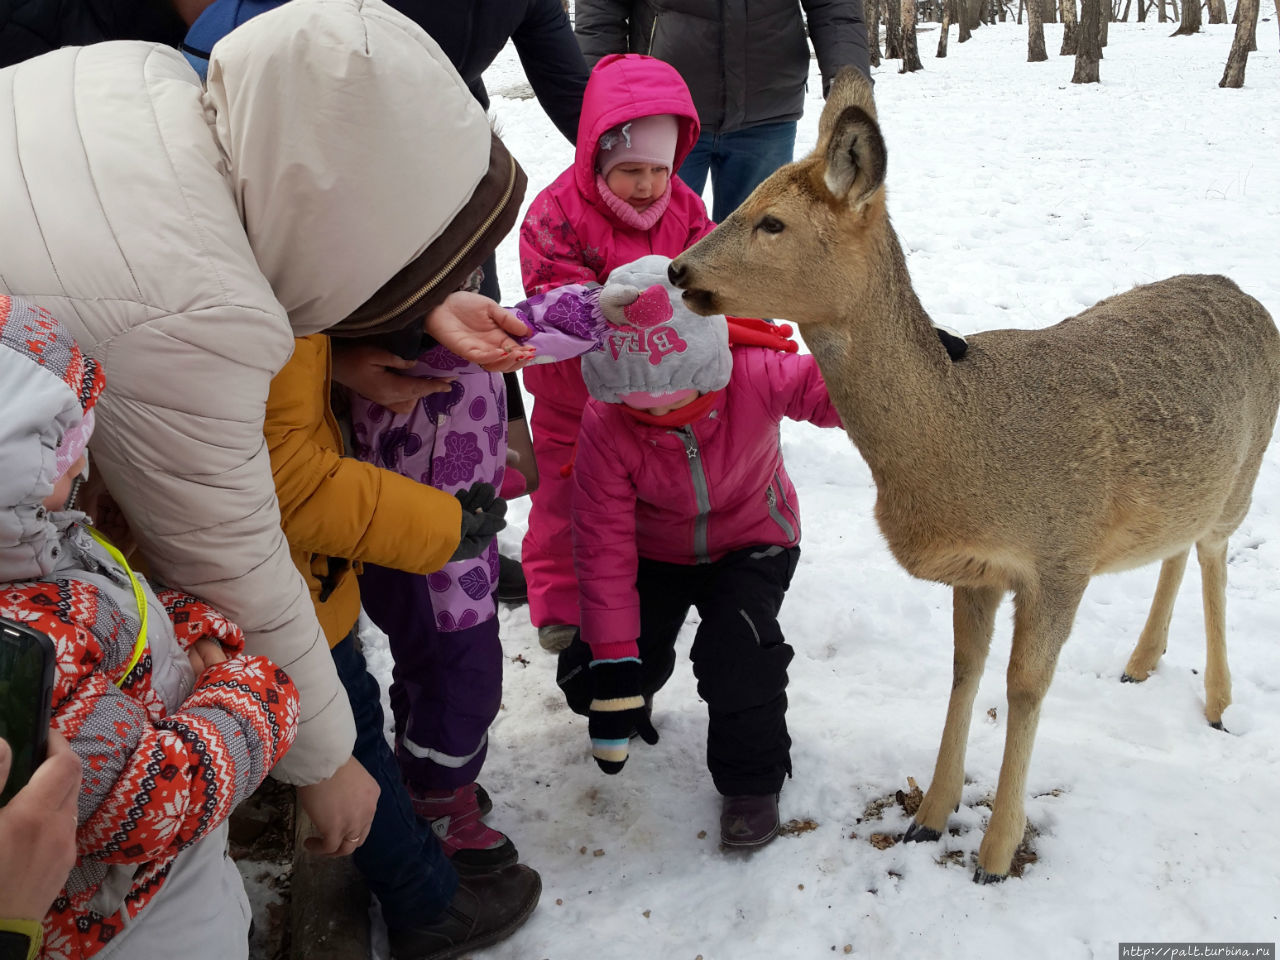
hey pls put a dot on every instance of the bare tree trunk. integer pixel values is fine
(1217, 11)
(1021, 4)
(1142, 11)
(892, 30)
(910, 51)
(1050, 11)
(1163, 16)
(962, 19)
(1190, 19)
(1233, 76)
(947, 7)
(873, 34)
(1127, 5)
(1105, 15)
(1035, 33)
(1088, 48)
(1069, 30)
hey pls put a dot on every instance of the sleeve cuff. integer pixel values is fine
(20, 939)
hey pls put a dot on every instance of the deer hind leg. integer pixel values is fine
(1042, 621)
(973, 617)
(1155, 634)
(1212, 555)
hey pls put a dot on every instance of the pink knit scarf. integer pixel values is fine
(628, 214)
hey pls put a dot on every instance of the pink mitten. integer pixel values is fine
(651, 308)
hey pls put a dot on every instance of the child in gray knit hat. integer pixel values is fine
(681, 500)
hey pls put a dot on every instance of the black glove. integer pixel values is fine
(618, 712)
(482, 517)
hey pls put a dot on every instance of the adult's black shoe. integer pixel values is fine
(487, 908)
(512, 590)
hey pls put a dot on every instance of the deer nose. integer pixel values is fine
(677, 273)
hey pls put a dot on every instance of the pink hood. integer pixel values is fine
(570, 235)
(618, 83)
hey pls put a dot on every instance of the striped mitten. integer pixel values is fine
(617, 712)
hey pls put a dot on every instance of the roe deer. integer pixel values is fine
(1113, 439)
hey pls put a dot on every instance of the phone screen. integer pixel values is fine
(26, 687)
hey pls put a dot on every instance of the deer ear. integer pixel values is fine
(856, 157)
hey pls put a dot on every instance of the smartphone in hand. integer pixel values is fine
(27, 658)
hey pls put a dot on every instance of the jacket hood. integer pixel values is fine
(624, 86)
(47, 386)
(351, 145)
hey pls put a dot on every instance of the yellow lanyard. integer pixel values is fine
(139, 598)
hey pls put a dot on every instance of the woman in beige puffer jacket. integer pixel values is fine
(186, 235)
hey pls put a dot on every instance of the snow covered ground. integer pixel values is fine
(1020, 199)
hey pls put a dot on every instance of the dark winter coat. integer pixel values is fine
(29, 28)
(472, 32)
(746, 61)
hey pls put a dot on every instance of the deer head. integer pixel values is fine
(808, 235)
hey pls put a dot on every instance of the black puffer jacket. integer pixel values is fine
(745, 61)
(29, 28)
(473, 32)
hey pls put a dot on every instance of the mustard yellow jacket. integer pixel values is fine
(336, 511)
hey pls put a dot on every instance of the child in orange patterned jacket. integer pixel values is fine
(172, 725)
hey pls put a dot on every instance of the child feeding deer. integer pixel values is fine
(1118, 437)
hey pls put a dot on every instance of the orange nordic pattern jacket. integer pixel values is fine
(155, 779)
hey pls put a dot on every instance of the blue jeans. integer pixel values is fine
(401, 859)
(737, 162)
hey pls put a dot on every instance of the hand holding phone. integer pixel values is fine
(27, 658)
(38, 833)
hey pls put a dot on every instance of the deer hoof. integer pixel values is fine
(981, 876)
(1217, 725)
(1126, 678)
(918, 833)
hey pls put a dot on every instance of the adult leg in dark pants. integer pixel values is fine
(401, 859)
(429, 912)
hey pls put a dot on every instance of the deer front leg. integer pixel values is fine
(1213, 587)
(1042, 621)
(973, 619)
(1155, 634)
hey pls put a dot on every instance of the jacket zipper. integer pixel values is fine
(795, 517)
(700, 491)
(653, 28)
(774, 512)
(457, 257)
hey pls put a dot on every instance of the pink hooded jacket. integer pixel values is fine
(689, 494)
(569, 235)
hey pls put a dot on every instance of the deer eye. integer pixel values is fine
(771, 225)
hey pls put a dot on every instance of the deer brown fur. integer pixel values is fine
(1121, 436)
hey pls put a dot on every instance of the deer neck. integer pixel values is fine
(887, 372)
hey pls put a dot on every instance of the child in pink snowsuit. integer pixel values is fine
(443, 629)
(681, 500)
(618, 202)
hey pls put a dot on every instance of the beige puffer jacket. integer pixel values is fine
(186, 237)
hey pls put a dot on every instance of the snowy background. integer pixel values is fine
(1020, 199)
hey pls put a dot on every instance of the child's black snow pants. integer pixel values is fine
(739, 658)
